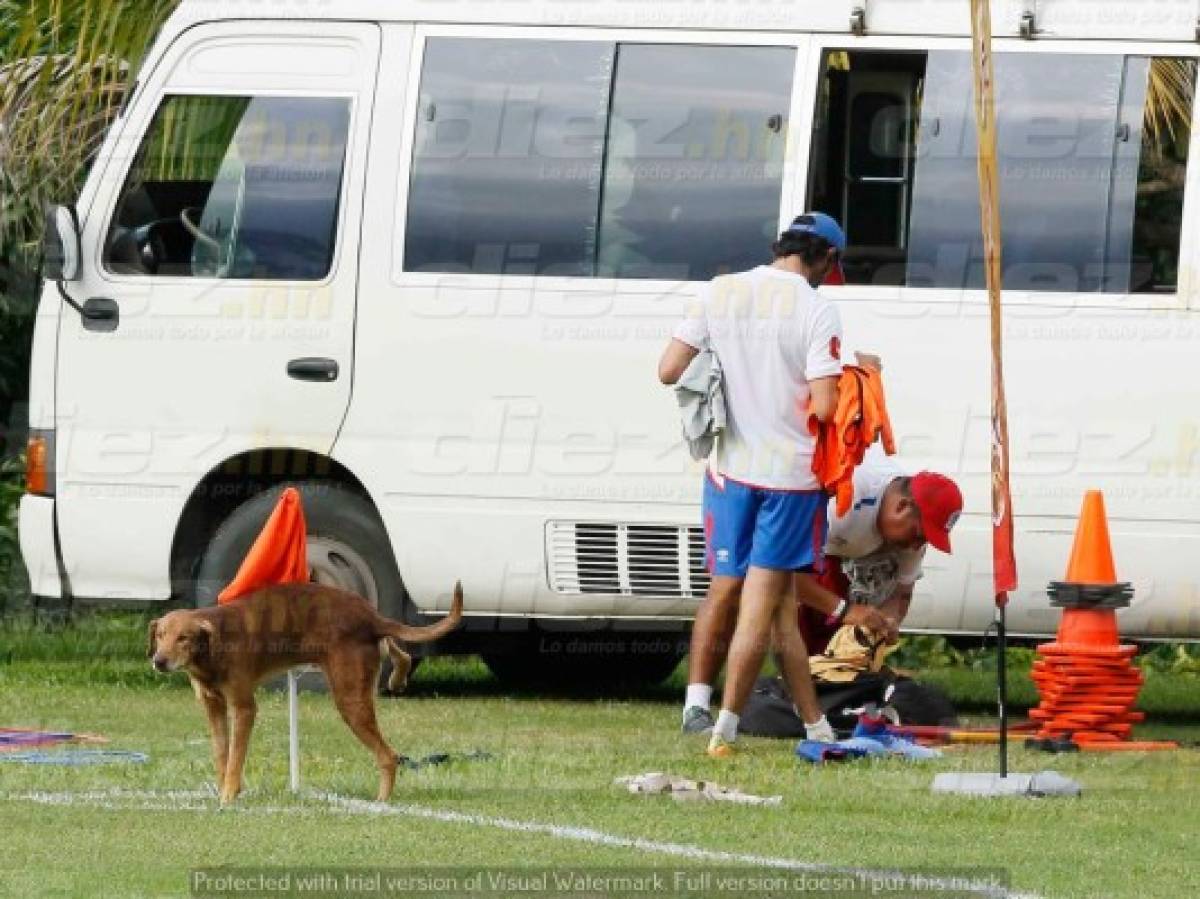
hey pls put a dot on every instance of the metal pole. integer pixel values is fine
(1004, 566)
(1002, 684)
(293, 680)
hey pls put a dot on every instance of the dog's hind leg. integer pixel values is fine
(244, 712)
(351, 674)
(401, 666)
(218, 729)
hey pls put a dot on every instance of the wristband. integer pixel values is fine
(839, 614)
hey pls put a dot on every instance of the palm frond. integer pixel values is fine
(64, 69)
(1170, 91)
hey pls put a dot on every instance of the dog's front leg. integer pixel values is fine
(218, 729)
(244, 711)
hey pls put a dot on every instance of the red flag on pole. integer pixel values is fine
(1004, 563)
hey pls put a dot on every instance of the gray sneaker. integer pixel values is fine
(697, 720)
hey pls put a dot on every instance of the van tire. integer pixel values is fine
(345, 532)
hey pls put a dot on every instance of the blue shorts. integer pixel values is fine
(781, 530)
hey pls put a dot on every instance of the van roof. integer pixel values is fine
(1147, 20)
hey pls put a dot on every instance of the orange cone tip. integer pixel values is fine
(1091, 555)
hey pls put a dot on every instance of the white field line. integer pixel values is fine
(205, 800)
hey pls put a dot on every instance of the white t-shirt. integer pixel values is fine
(873, 569)
(773, 334)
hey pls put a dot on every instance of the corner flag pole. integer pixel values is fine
(1004, 566)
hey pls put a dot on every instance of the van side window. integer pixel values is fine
(1162, 169)
(507, 162)
(233, 187)
(587, 159)
(694, 168)
(864, 155)
(1092, 157)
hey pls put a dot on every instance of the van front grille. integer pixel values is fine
(656, 560)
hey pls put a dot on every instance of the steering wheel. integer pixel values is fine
(145, 245)
(185, 218)
(211, 256)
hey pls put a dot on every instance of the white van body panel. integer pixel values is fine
(35, 531)
(545, 412)
(511, 430)
(136, 434)
(492, 417)
(1149, 20)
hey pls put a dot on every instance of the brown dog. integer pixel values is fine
(228, 650)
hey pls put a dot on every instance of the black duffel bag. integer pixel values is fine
(769, 712)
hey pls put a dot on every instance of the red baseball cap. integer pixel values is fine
(940, 503)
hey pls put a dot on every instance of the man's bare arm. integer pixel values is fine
(823, 397)
(809, 592)
(896, 605)
(675, 360)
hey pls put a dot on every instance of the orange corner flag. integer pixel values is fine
(279, 554)
(1091, 555)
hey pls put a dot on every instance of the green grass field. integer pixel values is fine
(1132, 833)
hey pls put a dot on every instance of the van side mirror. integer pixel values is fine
(61, 244)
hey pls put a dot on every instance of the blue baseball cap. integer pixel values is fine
(823, 226)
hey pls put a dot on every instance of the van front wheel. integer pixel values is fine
(347, 548)
(347, 545)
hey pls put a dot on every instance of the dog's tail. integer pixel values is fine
(410, 634)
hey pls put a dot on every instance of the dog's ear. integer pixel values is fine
(202, 644)
(150, 638)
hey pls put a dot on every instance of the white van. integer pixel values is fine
(421, 258)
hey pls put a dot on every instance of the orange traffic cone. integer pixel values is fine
(279, 554)
(1085, 678)
(1091, 555)
(1089, 625)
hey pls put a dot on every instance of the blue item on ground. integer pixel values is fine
(817, 752)
(10, 737)
(869, 740)
(75, 757)
(866, 747)
(874, 728)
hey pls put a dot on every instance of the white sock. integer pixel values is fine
(726, 726)
(698, 695)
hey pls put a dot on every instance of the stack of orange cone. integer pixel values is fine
(1086, 680)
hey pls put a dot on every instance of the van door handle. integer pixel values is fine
(101, 314)
(313, 370)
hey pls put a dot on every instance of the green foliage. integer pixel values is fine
(64, 69)
(923, 653)
(1171, 658)
(926, 653)
(66, 66)
(13, 585)
(97, 636)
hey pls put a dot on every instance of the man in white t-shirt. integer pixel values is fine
(874, 552)
(779, 345)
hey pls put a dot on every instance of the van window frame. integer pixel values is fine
(794, 167)
(1187, 294)
(113, 203)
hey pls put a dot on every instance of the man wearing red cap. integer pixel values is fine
(873, 557)
(881, 542)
